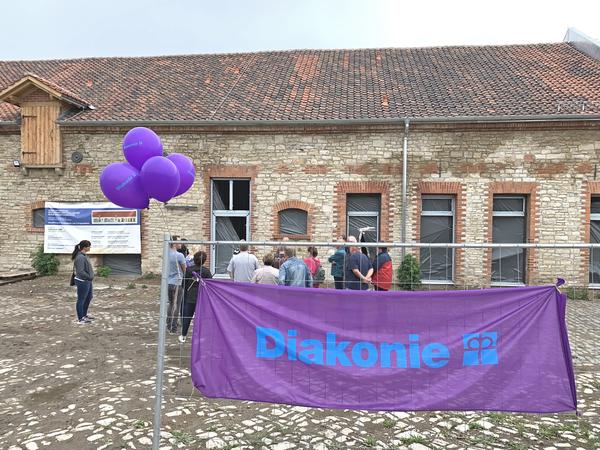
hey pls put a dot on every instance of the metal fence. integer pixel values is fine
(430, 266)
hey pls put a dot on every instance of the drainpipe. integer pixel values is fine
(404, 182)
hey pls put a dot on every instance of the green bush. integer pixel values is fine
(103, 271)
(409, 273)
(577, 293)
(44, 263)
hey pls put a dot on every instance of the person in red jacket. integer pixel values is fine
(382, 271)
(313, 263)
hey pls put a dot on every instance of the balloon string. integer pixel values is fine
(164, 218)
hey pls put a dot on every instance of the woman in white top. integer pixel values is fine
(267, 274)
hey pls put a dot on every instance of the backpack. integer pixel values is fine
(319, 275)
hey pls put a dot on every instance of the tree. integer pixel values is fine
(409, 273)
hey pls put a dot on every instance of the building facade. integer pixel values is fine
(502, 146)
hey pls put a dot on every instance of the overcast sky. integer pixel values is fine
(50, 29)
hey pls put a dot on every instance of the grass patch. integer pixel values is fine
(130, 286)
(497, 418)
(475, 426)
(548, 431)
(144, 286)
(181, 437)
(139, 424)
(577, 293)
(414, 440)
(389, 423)
(482, 441)
(370, 442)
(103, 271)
(150, 276)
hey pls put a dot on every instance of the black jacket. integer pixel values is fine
(190, 285)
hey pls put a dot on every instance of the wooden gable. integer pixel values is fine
(41, 105)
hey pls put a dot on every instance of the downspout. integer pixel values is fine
(404, 183)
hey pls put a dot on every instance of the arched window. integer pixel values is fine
(293, 221)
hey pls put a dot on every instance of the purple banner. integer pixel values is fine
(493, 349)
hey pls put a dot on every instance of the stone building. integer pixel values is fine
(502, 146)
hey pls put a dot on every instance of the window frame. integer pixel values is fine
(280, 234)
(523, 213)
(214, 213)
(595, 217)
(376, 214)
(33, 225)
(452, 213)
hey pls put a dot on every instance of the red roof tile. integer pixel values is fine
(326, 84)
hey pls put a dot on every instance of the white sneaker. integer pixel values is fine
(83, 322)
(181, 339)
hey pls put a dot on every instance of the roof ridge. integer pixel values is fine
(285, 51)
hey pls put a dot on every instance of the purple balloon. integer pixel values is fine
(139, 145)
(121, 184)
(160, 178)
(187, 171)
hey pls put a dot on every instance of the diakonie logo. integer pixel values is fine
(479, 349)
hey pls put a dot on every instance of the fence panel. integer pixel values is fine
(434, 266)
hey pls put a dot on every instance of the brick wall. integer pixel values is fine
(318, 168)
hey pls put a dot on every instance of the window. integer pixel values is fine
(363, 212)
(594, 270)
(38, 218)
(293, 221)
(509, 227)
(230, 219)
(437, 226)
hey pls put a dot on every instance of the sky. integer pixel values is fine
(56, 29)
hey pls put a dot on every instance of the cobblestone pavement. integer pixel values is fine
(67, 386)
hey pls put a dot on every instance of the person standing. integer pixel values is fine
(382, 271)
(83, 275)
(293, 272)
(266, 274)
(338, 262)
(242, 266)
(358, 269)
(176, 269)
(279, 257)
(314, 265)
(190, 288)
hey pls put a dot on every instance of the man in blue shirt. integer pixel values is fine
(293, 272)
(176, 269)
(358, 269)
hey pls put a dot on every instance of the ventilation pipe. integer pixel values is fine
(404, 182)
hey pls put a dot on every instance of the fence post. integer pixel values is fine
(160, 351)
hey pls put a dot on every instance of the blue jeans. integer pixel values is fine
(84, 297)
(186, 316)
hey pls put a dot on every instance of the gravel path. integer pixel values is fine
(65, 386)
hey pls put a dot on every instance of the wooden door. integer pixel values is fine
(40, 135)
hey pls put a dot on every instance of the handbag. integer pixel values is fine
(72, 281)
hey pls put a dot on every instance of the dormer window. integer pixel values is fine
(41, 103)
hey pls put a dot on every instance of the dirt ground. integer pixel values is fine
(67, 386)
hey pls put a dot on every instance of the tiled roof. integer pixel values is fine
(514, 80)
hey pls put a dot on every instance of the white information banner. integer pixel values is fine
(110, 228)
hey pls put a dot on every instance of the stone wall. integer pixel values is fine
(317, 168)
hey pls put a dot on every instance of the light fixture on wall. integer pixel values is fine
(16, 163)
